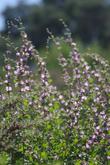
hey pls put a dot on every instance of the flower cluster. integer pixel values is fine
(22, 71)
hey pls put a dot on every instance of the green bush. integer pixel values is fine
(40, 124)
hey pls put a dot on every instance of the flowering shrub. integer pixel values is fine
(40, 124)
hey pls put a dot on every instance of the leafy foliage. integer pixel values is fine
(40, 124)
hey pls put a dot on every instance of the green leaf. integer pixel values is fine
(44, 155)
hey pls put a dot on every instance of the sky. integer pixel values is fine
(7, 3)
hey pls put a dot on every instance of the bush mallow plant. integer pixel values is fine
(40, 124)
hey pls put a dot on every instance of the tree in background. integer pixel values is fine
(88, 20)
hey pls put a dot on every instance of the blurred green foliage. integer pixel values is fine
(88, 21)
(51, 56)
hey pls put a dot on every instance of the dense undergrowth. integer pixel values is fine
(40, 124)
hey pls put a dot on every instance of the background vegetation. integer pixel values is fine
(88, 21)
